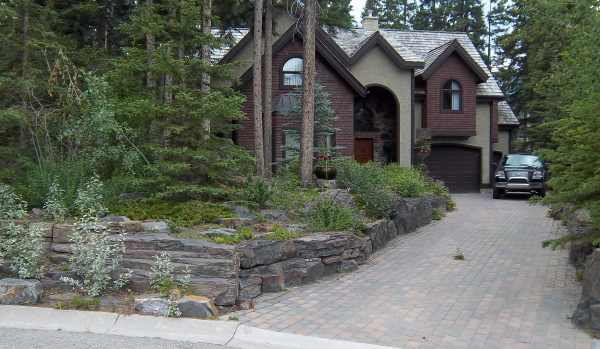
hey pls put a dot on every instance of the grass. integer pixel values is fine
(80, 303)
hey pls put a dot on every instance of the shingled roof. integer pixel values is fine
(506, 116)
(420, 46)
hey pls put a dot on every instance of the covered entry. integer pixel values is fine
(376, 126)
(457, 165)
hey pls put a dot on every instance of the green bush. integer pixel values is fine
(257, 191)
(288, 193)
(368, 183)
(182, 214)
(405, 181)
(327, 215)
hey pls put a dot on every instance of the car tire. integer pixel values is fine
(542, 193)
(496, 194)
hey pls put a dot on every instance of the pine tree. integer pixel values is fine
(308, 95)
(257, 94)
(396, 14)
(335, 13)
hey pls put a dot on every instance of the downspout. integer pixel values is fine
(412, 117)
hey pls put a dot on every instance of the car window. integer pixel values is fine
(521, 160)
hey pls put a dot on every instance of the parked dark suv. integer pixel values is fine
(519, 173)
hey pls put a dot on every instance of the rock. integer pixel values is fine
(262, 252)
(17, 291)
(37, 213)
(224, 291)
(246, 304)
(156, 227)
(298, 271)
(325, 245)
(421, 210)
(272, 277)
(197, 306)
(579, 221)
(347, 266)
(61, 233)
(587, 313)
(579, 250)
(326, 183)
(250, 288)
(114, 219)
(340, 196)
(296, 228)
(45, 227)
(383, 231)
(219, 232)
(151, 306)
(274, 215)
(436, 202)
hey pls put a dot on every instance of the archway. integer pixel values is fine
(376, 126)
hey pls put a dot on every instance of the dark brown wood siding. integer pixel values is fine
(341, 96)
(451, 123)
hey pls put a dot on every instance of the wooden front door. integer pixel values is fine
(363, 149)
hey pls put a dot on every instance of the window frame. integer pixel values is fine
(445, 90)
(282, 84)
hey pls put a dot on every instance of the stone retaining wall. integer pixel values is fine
(237, 274)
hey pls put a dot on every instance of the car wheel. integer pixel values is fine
(497, 194)
(542, 193)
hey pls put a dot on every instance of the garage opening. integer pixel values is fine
(458, 166)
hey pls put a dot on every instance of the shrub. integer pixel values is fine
(289, 195)
(369, 184)
(437, 214)
(181, 214)
(22, 248)
(55, 202)
(163, 278)
(327, 215)
(12, 206)
(280, 233)
(257, 191)
(95, 258)
(90, 198)
(404, 181)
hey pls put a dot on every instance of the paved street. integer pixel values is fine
(509, 292)
(33, 339)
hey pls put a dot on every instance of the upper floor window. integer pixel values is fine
(292, 72)
(452, 96)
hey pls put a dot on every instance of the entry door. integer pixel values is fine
(363, 149)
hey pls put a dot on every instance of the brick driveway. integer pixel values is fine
(508, 293)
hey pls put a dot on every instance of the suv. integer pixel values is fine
(519, 173)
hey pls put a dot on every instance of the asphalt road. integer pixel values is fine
(35, 339)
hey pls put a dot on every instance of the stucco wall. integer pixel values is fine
(503, 144)
(480, 140)
(375, 68)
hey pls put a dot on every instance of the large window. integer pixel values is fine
(292, 72)
(452, 96)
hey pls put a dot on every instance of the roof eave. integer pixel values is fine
(455, 47)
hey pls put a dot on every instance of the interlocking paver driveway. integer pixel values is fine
(508, 293)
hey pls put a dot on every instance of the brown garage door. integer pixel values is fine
(459, 167)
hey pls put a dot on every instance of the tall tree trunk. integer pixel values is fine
(24, 36)
(206, 27)
(257, 89)
(168, 78)
(268, 88)
(308, 97)
(150, 80)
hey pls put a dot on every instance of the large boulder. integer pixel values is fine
(587, 314)
(383, 231)
(340, 196)
(250, 288)
(17, 291)
(328, 244)
(154, 306)
(197, 306)
(263, 252)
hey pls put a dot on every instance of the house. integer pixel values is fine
(389, 89)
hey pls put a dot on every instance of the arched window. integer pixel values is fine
(452, 96)
(292, 72)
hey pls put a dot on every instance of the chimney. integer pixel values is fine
(370, 23)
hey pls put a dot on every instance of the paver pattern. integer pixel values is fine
(509, 292)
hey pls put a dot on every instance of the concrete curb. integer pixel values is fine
(226, 333)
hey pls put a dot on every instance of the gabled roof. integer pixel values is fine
(336, 58)
(415, 45)
(378, 40)
(233, 36)
(506, 117)
(437, 56)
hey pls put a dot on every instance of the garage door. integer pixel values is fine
(459, 167)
